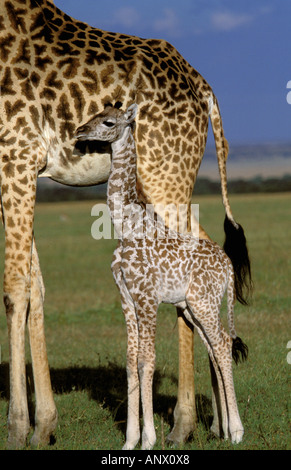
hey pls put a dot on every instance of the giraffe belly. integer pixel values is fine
(173, 292)
(87, 170)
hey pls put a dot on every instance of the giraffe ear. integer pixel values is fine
(131, 113)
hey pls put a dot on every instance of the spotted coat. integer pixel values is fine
(56, 72)
(162, 266)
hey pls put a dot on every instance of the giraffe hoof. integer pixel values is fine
(181, 431)
(215, 429)
(237, 436)
(44, 430)
(147, 446)
(15, 443)
(178, 436)
(40, 439)
(17, 435)
(128, 446)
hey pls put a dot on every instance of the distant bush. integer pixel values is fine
(53, 193)
(242, 186)
(58, 192)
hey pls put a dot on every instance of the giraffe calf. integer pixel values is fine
(178, 269)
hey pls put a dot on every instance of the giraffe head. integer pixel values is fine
(107, 126)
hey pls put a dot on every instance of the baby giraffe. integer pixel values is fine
(150, 268)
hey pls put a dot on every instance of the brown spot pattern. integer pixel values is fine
(173, 268)
(56, 72)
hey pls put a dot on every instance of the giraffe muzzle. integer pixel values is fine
(82, 133)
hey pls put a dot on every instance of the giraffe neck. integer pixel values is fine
(28, 17)
(121, 188)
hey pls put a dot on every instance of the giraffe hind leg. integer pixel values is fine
(185, 409)
(216, 426)
(218, 344)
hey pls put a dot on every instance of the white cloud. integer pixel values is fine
(227, 21)
(168, 23)
(126, 16)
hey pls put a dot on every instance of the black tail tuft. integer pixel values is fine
(239, 350)
(235, 246)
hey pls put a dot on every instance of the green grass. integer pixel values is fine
(86, 336)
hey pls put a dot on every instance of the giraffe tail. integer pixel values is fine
(235, 244)
(239, 348)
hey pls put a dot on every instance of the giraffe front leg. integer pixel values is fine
(185, 409)
(45, 412)
(16, 289)
(146, 368)
(132, 428)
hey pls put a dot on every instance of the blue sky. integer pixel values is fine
(242, 48)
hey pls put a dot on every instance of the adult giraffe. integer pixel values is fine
(56, 73)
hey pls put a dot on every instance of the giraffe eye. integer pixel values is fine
(109, 123)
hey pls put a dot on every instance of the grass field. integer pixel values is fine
(86, 334)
